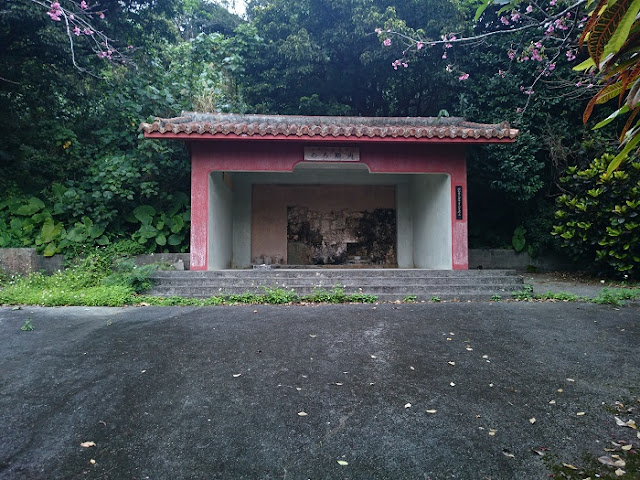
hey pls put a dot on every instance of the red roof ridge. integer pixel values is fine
(255, 125)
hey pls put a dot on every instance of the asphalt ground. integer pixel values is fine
(410, 391)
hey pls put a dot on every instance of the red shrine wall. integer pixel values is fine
(282, 156)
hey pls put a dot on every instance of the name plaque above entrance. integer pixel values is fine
(332, 154)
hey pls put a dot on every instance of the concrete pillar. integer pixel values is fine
(430, 194)
(220, 246)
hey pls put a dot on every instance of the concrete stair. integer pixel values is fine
(387, 284)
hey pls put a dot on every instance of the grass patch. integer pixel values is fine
(99, 279)
(272, 296)
(525, 294)
(616, 296)
(559, 296)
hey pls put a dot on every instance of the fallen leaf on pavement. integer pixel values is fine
(581, 414)
(431, 411)
(452, 384)
(88, 444)
(532, 420)
(507, 453)
(626, 448)
(374, 357)
(236, 375)
(343, 463)
(611, 462)
(92, 461)
(570, 380)
(451, 363)
(407, 405)
(552, 402)
(302, 414)
(492, 432)
(569, 466)
(619, 472)
(538, 451)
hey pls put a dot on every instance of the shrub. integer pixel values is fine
(598, 220)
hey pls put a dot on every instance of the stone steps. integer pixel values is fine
(387, 284)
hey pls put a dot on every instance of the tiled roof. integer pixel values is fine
(237, 125)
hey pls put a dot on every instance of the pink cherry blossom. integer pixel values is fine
(463, 77)
(102, 15)
(76, 31)
(387, 42)
(419, 45)
(529, 9)
(83, 5)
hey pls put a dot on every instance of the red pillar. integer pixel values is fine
(459, 228)
(199, 251)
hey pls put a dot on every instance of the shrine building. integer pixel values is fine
(344, 191)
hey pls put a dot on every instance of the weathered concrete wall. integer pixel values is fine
(179, 260)
(241, 257)
(18, 260)
(430, 196)
(270, 202)
(221, 225)
(499, 258)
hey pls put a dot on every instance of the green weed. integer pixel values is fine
(27, 326)
(495, 298)
(409, 299)
(560, 296)
(435, 299)
(279, 296)
(616, 296)
(523, 295)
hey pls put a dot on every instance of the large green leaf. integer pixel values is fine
(34, 205)
(50, 250)
(50, 230)
(606, 25)
(161, 240)
(147, 231)
(612, 117)
(144, 213)
(95, 231)
(481, 9)
(174, 240)
(621, 33)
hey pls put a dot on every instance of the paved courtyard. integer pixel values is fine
(439, 391)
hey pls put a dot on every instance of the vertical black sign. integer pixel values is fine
(458, 202)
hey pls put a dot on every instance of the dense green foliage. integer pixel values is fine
(75, 171)
(600, 216)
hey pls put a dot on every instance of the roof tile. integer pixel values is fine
(236, 125)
